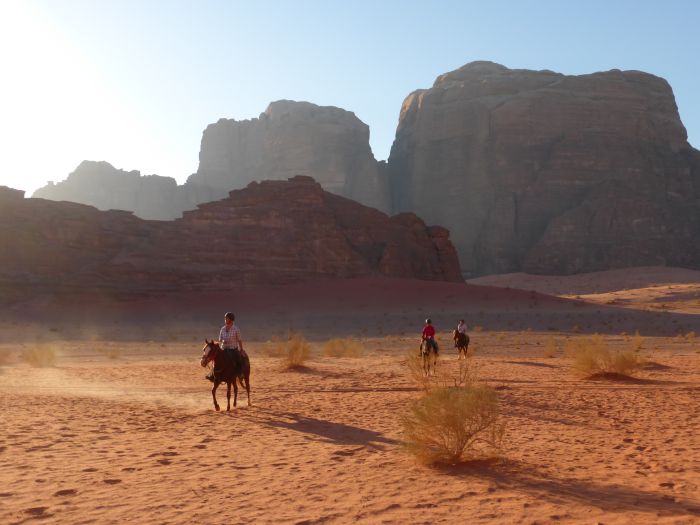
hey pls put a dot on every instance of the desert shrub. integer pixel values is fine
(637, 341)
(591, 357)
(342, 348)
(550, 347)
(109, 352)
(4, 356)
(39, 356)
(294, 350)
(690, 336)
(449, 425)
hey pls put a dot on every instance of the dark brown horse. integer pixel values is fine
(461, 343)
(226, 370)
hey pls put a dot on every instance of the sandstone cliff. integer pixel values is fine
(294, 138)
(101, 185)
(270, 232)
(548, 173)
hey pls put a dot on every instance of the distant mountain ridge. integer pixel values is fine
(530, 170)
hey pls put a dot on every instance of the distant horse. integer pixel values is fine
(429, 353)
(226, 370)
(461, 343)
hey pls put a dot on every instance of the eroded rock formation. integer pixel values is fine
(294, 138)
(270, 232)
(101, 185)
(548, 173)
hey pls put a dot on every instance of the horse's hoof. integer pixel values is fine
(217, 408)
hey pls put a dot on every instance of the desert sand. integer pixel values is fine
(121, 428)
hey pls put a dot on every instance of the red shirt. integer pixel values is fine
(428, 331)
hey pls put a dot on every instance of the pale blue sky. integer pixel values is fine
(136, 82)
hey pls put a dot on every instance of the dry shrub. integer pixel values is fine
(4, 357)
(342, 348)
(449, 425)
(550, 348)
(109, 352)
(39, 356)
(592, 357)
(637, 341)
(294, 350)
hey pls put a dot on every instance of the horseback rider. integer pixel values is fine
(461, 333)
(428, 336)
(231, 342)
(461, 327)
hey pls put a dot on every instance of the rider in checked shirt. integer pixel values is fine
(230, 338)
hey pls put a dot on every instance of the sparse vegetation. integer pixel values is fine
(39, 356)
(550, 348)
(295, 350)
(637, 341)
(449, 425)
(342, 348)
(4, 356)
(592, 357)
(109, 352)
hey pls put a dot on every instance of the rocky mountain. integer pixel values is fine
(289, 138)
(272, 232)
(294, 138)
(529, 170)
(547, 173)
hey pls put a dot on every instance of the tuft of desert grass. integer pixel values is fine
(592, 357)
(637, 341)
(5, 356)
(294, 350)
(42, 355)
(449, 425)
(338, 347)
(550, 348)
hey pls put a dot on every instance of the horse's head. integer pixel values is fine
(209, 351)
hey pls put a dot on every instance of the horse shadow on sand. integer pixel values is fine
(322, 430)
(527, 478)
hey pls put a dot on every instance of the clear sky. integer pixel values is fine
(135, 82)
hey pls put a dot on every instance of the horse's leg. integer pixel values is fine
(235, 391)
(228, 396)
(247, 385)
(213, 394)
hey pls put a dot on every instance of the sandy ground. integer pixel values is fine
(121, 428)
(125, 432)
(644, 288)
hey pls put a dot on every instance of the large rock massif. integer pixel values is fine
(547, 173)
(294, 138)
(529, 170)
(272, 232)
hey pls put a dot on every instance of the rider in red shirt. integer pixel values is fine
(429, 334)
